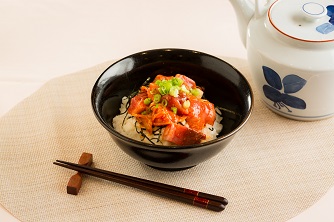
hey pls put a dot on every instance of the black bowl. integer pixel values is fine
(224, 86)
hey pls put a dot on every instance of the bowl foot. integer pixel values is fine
(170, 169)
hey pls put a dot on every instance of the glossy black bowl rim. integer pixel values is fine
(155, 147)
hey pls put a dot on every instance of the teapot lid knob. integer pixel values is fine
(304, 20)
(313, 11)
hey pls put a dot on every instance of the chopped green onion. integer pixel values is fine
(156, 98)
(197, 92)
(162, 90)
(164, 102)
(164, 86)
(184, 89)
(186, 104)
(169, 86)
(174, 109)
(177, 81)
(147, 101)
(174, 91)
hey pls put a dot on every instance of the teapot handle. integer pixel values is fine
(261, 7)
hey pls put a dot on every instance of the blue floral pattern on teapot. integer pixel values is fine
(327, 27)
(289, 84)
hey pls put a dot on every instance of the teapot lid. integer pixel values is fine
(304, 20)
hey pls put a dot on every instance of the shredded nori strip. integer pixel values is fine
(157, 132)
(141, 132)
(124, 117)
(134, 93)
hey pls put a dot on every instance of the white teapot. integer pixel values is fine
(290, 48)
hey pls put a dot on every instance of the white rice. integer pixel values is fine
(126, 125)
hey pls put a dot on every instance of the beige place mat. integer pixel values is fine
(274, 169)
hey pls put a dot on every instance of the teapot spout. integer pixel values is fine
(244, 10)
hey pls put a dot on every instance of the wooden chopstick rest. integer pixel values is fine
(74, 183)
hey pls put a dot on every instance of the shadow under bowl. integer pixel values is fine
(224, 86)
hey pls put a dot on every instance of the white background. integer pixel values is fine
(42, 39)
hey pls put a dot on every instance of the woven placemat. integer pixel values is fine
(273, 169)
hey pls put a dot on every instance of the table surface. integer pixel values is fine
(46, 39)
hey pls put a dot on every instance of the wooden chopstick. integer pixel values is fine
(195, 198)
(153, 183)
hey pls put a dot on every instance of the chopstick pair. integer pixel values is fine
(196, 198)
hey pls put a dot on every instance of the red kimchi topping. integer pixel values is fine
(175, 103)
